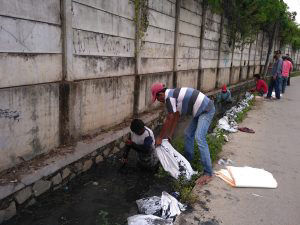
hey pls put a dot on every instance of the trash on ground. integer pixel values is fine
(256, 195)
(246, 130)
(149, 206)
(247, 177)
(227, 122)
(147, 220)
(225, 137)
(166, 206)
(173, 162)
(225, 162)
(95, 183)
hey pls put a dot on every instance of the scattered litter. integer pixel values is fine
(173, 162)
(246, 129)
(147, 220)
(227, 122)
(256, 195)
(149, 206)
(95, 183)
(166, 207)
(247, 177)
(225, 137)
(225, 162)
(175, 194)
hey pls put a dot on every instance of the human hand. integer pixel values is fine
(158, 141)
(124, 160)
(128, 142)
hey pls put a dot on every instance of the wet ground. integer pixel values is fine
(104, 196)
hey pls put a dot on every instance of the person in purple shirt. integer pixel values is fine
(187, 101)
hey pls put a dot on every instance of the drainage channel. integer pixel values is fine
(105, 195)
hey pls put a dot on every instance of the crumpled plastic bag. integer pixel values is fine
(173, 162)
(149, 206)
(147, 220)
(227, 122)
(171, 207)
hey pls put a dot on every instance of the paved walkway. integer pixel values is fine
(275, 147)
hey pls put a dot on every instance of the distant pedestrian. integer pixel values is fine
(289, 78)
(187, 101)
(287, 67)
(261, 86)
(276, 76)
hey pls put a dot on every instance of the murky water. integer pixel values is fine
(104, 190)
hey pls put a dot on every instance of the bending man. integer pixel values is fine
(187, 101)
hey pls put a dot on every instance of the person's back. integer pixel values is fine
(261, 86)
(286, 68)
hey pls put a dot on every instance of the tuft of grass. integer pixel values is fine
(295, 74)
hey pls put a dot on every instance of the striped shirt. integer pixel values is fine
(187, 101)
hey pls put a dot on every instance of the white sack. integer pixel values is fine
(147, 220)
(173, 162)
(171, 207)
(149, 206)
(223, 124)
(247, 177)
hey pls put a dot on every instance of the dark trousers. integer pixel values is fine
(274, 84)
(284, 82)
(288, 81)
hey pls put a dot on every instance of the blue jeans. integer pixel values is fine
(197, 130)
(284, 82)
(274, 84)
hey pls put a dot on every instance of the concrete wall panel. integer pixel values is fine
(224, 77)
(88, 67)
(156, 50)
(27, 36)
(39, 10)
(26, 69)
(101, 103)
(190, 17)
(89, 43)
(157, 35)
(146, 82)
(192, 5)
(161, 20)
(208, 79)
(188, 41)
(189, 29)
(187, 78)
(154, 65)
(29, 122)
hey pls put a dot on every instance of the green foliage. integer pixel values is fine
(246, 17)
(141, 18)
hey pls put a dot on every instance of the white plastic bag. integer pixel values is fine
(171, 207)
(173, 162)
(147, 220)
(149, 206)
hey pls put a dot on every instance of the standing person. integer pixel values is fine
(187, 101)
(287, 67)
(261, 86)
(289, 59)
(142, 141)
(276, 76)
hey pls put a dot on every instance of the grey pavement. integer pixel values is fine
(275, 147)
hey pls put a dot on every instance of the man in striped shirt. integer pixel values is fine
(187, 101)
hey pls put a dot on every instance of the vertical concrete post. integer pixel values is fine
(176, 41)
(241, 61)
(202, 33)
(67, 63)
(219, 51)
(249, 56)
(137, 78)
(256, 39)
(261, 52)
(231, 67)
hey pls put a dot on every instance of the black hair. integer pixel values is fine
(257, 76)
(137, 126)
(162, 91)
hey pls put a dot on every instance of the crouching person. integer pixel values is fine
(142, 141)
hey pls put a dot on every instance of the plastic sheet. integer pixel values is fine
(147, 220)
(173, 162)
(149, 206)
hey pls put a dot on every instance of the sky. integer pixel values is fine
(294, 5)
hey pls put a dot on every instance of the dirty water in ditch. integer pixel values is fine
(105, 195)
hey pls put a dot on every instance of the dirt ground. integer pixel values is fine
(275, 146)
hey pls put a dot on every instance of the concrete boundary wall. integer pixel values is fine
(73, 68)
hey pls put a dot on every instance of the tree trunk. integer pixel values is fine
(271, 44)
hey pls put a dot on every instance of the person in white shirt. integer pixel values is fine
(143, 142)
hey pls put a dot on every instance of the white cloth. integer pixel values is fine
(149, 206)
(173, 162)
(247, 177)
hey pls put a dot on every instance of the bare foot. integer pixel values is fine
(203, 180)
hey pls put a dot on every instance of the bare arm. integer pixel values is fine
(166, 128)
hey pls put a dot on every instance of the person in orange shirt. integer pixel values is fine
(287, 67)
